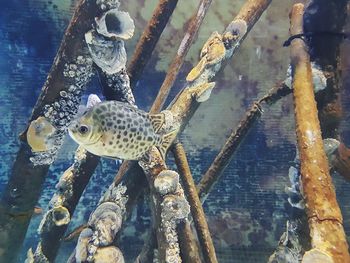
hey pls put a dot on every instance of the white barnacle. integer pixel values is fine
(108, 54)
(174, 208)
(115, 24)
(166, 182)
(60, 215)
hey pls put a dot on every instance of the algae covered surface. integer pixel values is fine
(247, 210)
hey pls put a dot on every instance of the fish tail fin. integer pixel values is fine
(166, 141)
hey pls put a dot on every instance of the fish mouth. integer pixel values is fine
(94, 142)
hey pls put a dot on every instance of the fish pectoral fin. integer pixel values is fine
(157, 121)
(167, 140)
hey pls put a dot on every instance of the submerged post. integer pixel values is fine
(328, 239)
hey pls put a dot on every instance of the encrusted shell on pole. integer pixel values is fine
(108, 54)
(166, 182)
(115, 24)
(108, 254)
(39, 134)
(106, 221)
(81, 252)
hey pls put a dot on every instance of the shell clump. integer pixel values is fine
(108, 254)
(166, 182)
(39, 134)
(108, 54)
(115, 24)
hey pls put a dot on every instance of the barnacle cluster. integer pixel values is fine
(166, 182)
(60, 113)
(217, 48)
(120, 84)
(174, 208)
(95, 242)
(38, 256)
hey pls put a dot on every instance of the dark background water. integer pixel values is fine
(247, 209)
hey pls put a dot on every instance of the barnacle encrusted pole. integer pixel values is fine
(56, 106)
(324, 216)
(197, 211)
(149, 39)
(169, 206)
(223, 158)
(188, 243)
(111, 61)
(181, 53)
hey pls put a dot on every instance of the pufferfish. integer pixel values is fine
(117, 130)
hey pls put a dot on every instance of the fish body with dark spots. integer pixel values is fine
(115, 129)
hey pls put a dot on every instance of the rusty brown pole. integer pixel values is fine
(328, 239)
(181, 53)
(149, 39)
(200, 222)
(217, 167)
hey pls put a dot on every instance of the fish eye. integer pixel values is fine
(83, 129)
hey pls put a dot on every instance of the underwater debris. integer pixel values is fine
(323, 212)
(108, 54)
(39, 134)
(115, 24)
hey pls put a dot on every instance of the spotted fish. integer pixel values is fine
(117, 130)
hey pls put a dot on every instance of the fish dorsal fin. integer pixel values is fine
(166, 141)
(157, 121)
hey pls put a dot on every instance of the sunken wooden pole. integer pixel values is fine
(188, 244)
(66, 81)
(328, 239)
(197, 211)
(178, 60)
(216, 169)
(149, 39)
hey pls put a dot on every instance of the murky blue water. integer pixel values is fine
(247, 210)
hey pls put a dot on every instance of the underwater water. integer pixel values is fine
(248, 208)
